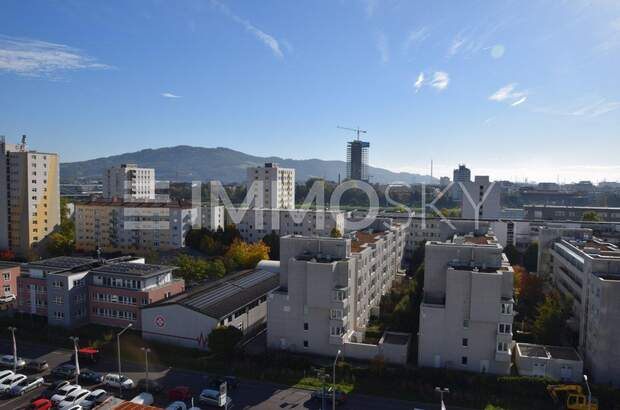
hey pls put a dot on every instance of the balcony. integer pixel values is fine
(503, 356)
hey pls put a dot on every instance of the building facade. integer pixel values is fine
(213, 217)
(328, 289)
(29, 196)
(570, 213)
(480, 199)
(461, 174)
(129, 182)
(466, 315)
(113, 225)
(271, 186)
(10, 271)
(357, 160)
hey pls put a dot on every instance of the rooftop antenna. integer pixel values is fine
(24, 140)
(357, 130)
(431, 169)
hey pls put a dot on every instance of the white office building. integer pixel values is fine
(129, 182)
(466, 315)
(213, 217)
(270, 186)
(480, 199)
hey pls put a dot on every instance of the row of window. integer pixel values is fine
(115, 314)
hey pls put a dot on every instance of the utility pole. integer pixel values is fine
(118, 345)
(146, 351)
(334, 381)
(77, 359)
(442, 391)
(585, 377)
(12, 330)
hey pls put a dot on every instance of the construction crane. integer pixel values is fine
(357, 130)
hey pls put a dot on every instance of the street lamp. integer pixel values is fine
(442, 391)
(334, 381)
(146, 351)
(585, 377)
(77, 360)
(118, 345)
(12, 329)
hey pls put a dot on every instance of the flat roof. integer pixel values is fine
(365, 238)
(134, 204)
(549, 352)
(223, 297)
(62, 263)
(133, 269)
(9, 264)
(396, 338)
(598, 208)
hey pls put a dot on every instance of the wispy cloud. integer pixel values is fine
(475, 39)
(370, 6)
(510, 95)
(590, 108)
(415, 37)
(36, 58)
(440, 80)
(170, 95)
(419, 82)
(383, 47)
(612, 37)
(264, 37)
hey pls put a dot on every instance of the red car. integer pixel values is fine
(40, 404)
(180, 393)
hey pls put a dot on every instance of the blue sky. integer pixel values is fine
(514, 89)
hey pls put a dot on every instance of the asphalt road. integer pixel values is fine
(250, 395)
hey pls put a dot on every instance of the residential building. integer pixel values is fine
(570, 213)
(444, 181)
(118, 291)
(357, 160)
(328, 289)
(480, 199)
(466, 315)
(9, 271)
(255, 223)
(461, 174)
(114, 225)
(560, 363)
(129, 182)
(587, 270)
(271, 186)
(29, 196)
(238, 300)
(213, 217)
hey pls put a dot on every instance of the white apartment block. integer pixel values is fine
(587, 269)
(132, 226)
(213, 217)
(466, 316)
(480, 199)
(270, 186)
(29, 196)
(255, 223)
(328, 289)
(129, 182)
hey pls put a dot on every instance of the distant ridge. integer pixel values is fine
(186, 163)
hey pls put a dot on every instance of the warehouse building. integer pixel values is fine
(187, 319)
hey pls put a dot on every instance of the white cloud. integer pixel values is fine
(415, 37)
(456, 45)
(597, 108)
(265, 38)
(38, 58)
(170, 95)
(383, 47)
(419, 82)
(612, 37)
(497, 51)
(370, 7)
(440, 80)
(509, 95)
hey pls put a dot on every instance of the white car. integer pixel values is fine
(11, 381)
(8, 361)
(75, 407)
(116, 381)
(26, 385)
(145, 399)
(64, 392)
(73, 398)
(7, 298)
(177, 405)
(94, 399)
(213, 398)
(5, 373)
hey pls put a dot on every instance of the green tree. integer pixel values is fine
(61, 242)
(223, 339)
(191, 269)
(335, 233)
(216, 269)
(591, 216)
(530, 294)
(550, 324)
(273, 241)
(530, 257)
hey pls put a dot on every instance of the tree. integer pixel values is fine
(513, 255)
(243, 255)
(223, 339)
(530, 257)
(191, 269)
(529, 290)
(335, 233)
(62, 241)
(273, 241)
(550, 324)
(591, 216)
(216, 269)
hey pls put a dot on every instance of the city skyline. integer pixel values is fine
(452, 83)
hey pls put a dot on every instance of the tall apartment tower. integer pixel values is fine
(461, 174)
(357, 160)
(466, 315)
(271, 187)
(29, 196)
(482, 201)
(129, 182)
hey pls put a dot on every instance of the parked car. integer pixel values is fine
(74, 407)
(117, 381)
(180, 393)
(64, 371)
(8, 383)
(74, 398)
(54, 388)
(90, 377)
(95, 398)
(64, 391)
(5, 373)
(177, 405)
(36, 366)
(8, 361)
(7, 298)
(40, 404)
(145, 399)
(87, 355)
(26, 385)
(213, 398)
(231, 382)
(341, 397)
(153, 386)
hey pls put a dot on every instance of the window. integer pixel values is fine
(6, 276)
(336, 314)
(464, 360)
(465, 342)
(59, 315)
(305, 343)
(465, 323)
(502, 347)
(306, 326)
(7, 289)
(57, 284)
(505, 328)
(506, 308)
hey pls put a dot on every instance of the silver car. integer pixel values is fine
(26, 385)
(7, 384)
